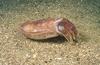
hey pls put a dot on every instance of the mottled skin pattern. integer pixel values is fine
(47, 28)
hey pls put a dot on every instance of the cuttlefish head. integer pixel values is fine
(65, 28)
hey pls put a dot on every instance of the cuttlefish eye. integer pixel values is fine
(61, 26)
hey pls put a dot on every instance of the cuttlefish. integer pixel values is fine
(48, 28)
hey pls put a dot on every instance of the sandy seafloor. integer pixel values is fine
(16, 49)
